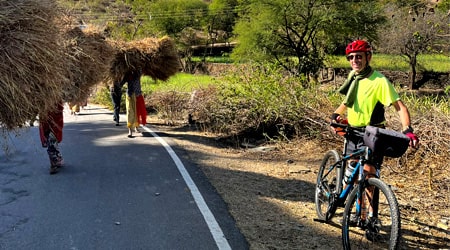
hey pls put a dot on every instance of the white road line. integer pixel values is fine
(213, 226)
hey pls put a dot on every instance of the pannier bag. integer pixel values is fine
(385, 142)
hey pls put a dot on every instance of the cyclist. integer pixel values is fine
(367, 92)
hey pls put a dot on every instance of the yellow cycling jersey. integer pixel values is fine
(371, 90)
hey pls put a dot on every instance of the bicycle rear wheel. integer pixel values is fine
(382, 230)
(328, 186)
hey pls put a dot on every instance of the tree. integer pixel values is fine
(296, 34)
(172, 16)
(413, 30)
(364, 22)
(221, 18)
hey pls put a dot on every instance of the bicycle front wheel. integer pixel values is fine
(379, 228)
(328, 186)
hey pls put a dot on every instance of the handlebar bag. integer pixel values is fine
(385, 142)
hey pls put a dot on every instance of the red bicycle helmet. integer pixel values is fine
(358, 46)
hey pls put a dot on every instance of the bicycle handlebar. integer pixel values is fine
(344, 129)
(339, 125)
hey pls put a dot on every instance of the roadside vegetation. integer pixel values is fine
(259, 102)
(270, 91)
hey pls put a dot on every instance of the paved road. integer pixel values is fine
(114, 193)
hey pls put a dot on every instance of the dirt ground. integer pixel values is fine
(269, 190)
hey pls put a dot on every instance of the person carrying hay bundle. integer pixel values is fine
(116, 98)
(152, 57)
(135, 104)
(74, 108)
(51, 133)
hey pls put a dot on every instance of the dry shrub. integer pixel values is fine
(156, 58)
(32, 68)
(171, 106)
(217, 115)
(89, 57)
(200, 103)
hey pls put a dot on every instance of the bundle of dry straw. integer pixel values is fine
(32, 69)
(89, 57)
(156, 58)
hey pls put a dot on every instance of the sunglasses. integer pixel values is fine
(351, 57)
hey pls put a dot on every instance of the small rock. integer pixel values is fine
(263, 149)
(248, 145)
(393, 188)
(442, 226)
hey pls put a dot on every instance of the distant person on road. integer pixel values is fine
(51, 133)
(74, 108)
(136, 111)
(116, 98)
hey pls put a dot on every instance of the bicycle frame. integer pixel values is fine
(357, 174)
(358, 171)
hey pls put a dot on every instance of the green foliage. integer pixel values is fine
(421, 105)
(279, 30)
(365, 20)
(443, 6)
(170, 17)
(222, 15)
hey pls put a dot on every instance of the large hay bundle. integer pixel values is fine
(89, 60)
(155, 58)
(32, 70)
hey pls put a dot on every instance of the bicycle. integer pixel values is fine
(381, 226)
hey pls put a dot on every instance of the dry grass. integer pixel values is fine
(156, 58)
(32, 69)
(89, 57)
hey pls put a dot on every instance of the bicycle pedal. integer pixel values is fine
(319, 220)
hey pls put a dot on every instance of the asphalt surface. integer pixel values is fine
(114, 192)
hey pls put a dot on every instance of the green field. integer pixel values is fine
(181, 82)
(435, 63)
